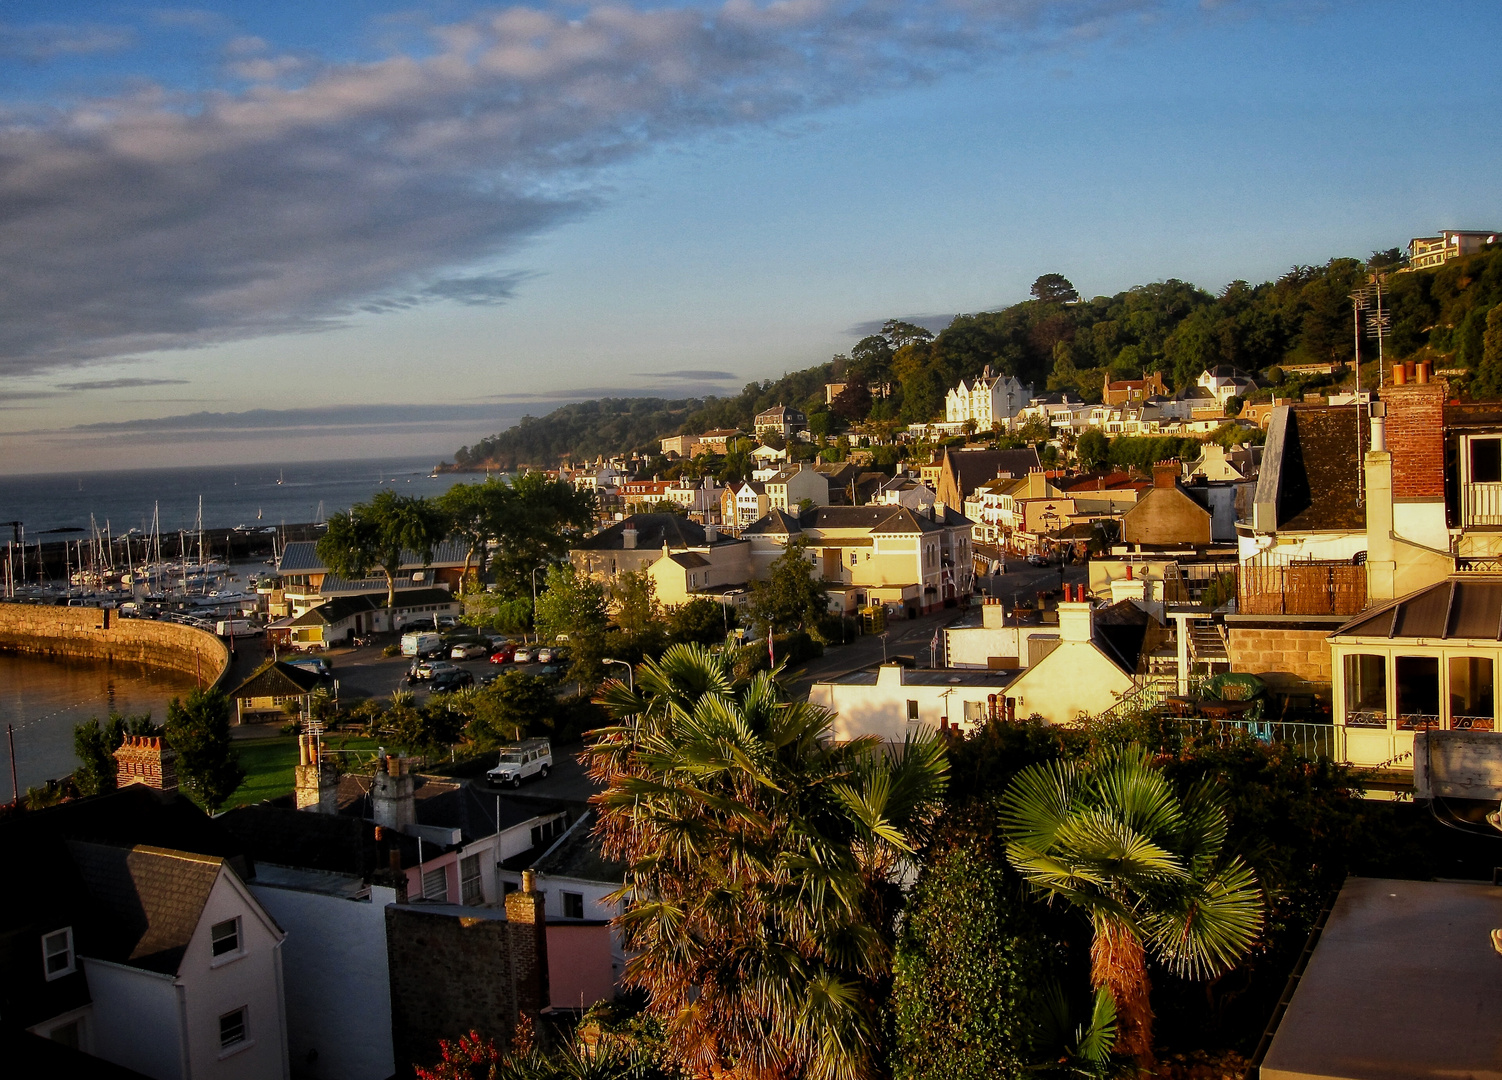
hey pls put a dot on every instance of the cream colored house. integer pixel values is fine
(786, 489)
(1083, 675)
(710, 569)
(874, 554)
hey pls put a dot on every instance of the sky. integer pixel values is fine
(288, 231)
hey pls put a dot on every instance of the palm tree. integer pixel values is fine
(1111, 836)
(762, 862)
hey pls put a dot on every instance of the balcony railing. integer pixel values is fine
(1420, 721)
(1472, 723)
(1366, 718)
(1321, 587)
(1311, 740)
(1482, 504)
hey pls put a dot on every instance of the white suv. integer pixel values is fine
(530, 757)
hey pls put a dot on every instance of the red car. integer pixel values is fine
(503, 654)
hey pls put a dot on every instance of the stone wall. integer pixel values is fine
(1286, 658)
(61, 633)
(452, 971)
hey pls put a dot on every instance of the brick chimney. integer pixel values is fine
(315, 786)
(391, 794)
(146, 759)
(1416, 438)
(529, 946)
(1166, 473)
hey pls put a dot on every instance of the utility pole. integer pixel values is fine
(1359, 300)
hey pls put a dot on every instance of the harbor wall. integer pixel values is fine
(61, 633)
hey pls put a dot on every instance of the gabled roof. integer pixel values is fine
(301, 557)
(1311, 470)
(773, 522)
(652, 531)
(579, 856)
(689, 560)
(1463, 608)
(342, 607)
(278, 679)
(153, 898)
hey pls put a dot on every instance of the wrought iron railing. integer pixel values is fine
(1148, 693)
(1366, 718)
(1312, 740)
(1472, 723)
(1419, 721)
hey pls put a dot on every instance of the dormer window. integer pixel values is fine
(57, 954)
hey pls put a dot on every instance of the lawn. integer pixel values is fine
(269, 763)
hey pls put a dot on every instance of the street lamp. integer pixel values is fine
(544, 566)
(630, 671)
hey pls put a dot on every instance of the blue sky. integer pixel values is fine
(319, 216)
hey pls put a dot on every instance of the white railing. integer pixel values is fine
(1483, 504)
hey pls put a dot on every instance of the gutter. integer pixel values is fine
(1254, 1067)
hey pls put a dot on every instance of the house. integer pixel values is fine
(1402, 983)
(999, 509)
(1428, 252)
(986, 400)
(699, 499)
(873, 554)
(1224, 382)
(1122, 391)
(681, 445)
(767, 456)
(787, 489)
(644, 494)
(743, 501)
(137, 940)
(717, 441)
(307, 582)
(638, 541)
(1217, 463)
(270, 689)
(780, 420)
(902, 491)
(1085, 672)
(962, 471)
(833, 390)
(712, 569)
(893, 702)
(1164, 514)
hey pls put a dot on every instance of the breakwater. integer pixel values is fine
(64, 633)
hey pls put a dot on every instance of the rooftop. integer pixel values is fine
(1468, 608)
(301, 557)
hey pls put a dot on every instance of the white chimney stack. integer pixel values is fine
(628, 536)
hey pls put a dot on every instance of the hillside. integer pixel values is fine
(1057, 340)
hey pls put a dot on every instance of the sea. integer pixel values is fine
(43, 699)
(51, 506)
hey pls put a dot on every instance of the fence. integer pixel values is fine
(1313, 587)
(1311, 740)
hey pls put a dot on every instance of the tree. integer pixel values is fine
(475, 513)
(701, 620)
(1092, 449)
(94, 745)
(637, 612)
(572, 607)
(762, 863)
(854, 402)
(207, 763)
(791, 598)
(509, 708)
(1487, 384)
(1111, 836)
(382, 534)
(543, 519)
(1054, 289)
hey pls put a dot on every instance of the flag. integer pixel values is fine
(771, 651)
(933, 648)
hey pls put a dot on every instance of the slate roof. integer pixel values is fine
(1320, 469)
(877, 519)
(152, 897)
(578, 855)
(1463, 608)
(278, 679)
(301, 557)
(340, 608)
(689, 560)
(652, 531)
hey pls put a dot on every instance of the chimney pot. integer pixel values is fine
(529, 881)
(1423, 372)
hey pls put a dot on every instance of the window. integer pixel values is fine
(1366, 689)
(57, 953)
(975, 712)
(1418, 692)
(232, 1028)
(912, 710)
(470, 890)
(1471, 693)
(435, 885)
(224, 937)
(1486, 461)
(573, 905)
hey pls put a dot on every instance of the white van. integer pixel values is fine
(237, 627)
(530, 757)
(421, 643)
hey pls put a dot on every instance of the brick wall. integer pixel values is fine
(92, 633)
(1416, 439)
(1286, 659)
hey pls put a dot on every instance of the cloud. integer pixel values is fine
(119, 384)
(934, 323)
(40, 42)
(161, 218)
(27, 395)
(690, 373)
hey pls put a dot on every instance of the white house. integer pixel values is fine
(893, 702)
(987, 399)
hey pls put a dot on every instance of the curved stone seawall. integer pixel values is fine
(62, 633)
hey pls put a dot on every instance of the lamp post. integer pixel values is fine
(630, 671)
(544, 566)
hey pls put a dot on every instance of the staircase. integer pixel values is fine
(1207, 647)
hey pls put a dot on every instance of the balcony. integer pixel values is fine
(1481, 504)
(1315, 587)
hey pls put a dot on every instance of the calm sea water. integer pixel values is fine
(44, 699)
(232, 495)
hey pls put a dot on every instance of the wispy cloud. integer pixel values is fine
(690, 373)
(40, 42)
(934, 323)
(161, 219)
(124, 383)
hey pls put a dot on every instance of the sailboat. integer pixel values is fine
(280, 479)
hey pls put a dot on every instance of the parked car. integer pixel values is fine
(550, 671)
(1035, 559)
(544, 655)
(426, 669)
(315, 664)
(503, 653)
(472, 650)
(530, 757)
(523, 654)
(489, 677)
(447, 621)
(449, 681)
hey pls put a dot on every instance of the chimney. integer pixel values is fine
(1076, 621)
(1414, 434)
(315, 785)
(1166, 473)
(528, 934)
(628, 536)
(992, 614)
(146, 759)
(711, 534)
(391, 793)
(1400, 375)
